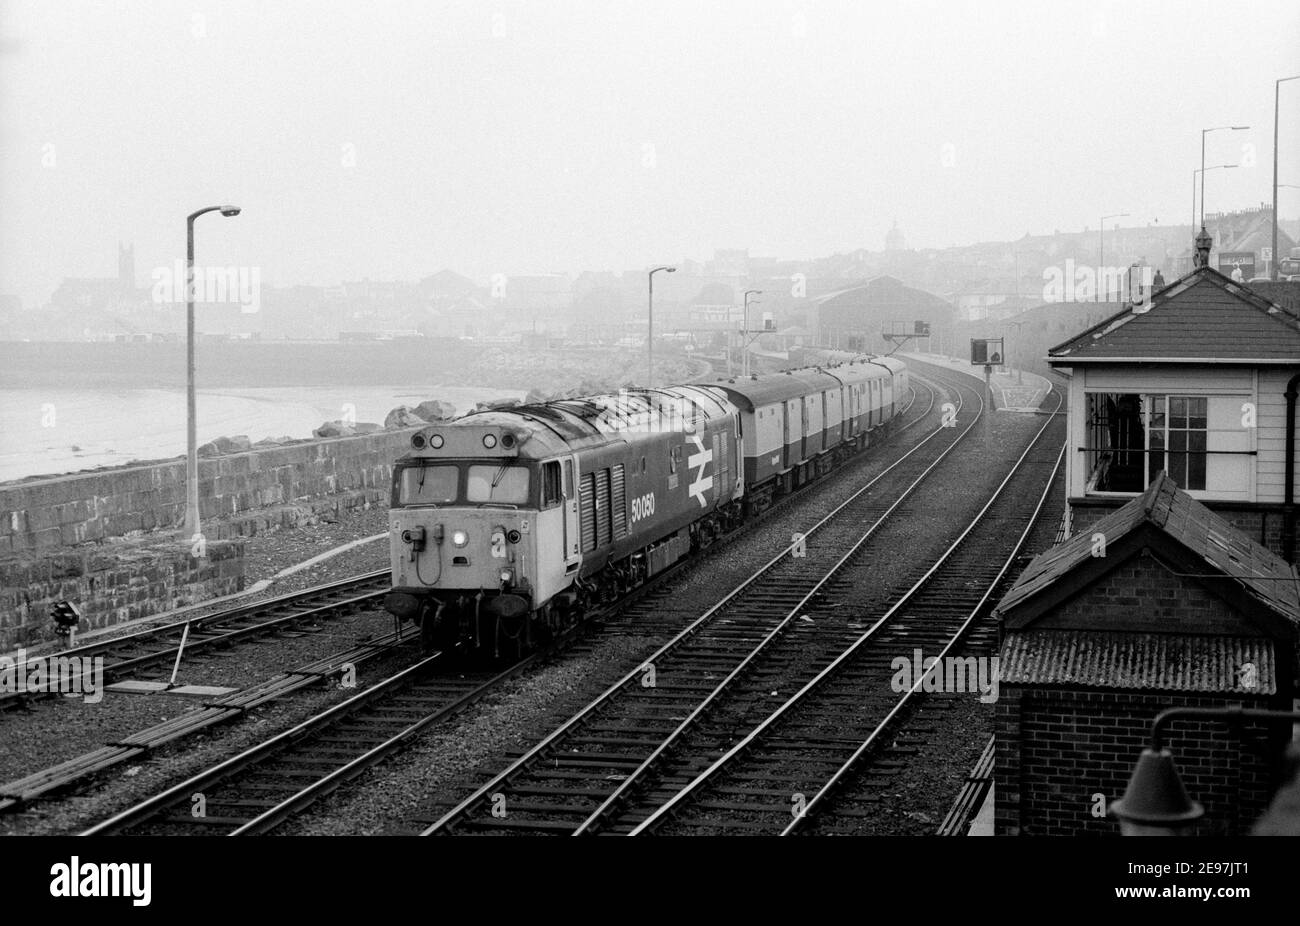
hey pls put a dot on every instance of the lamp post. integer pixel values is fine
(1277, 90)
(1204, 132)
(744, 333)
(1155, 802)
(1101, 249)
(1202, 170)
(1020, 373)
(191, 425)
(650, 329)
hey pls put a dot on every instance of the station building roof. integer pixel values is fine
(1202, 317)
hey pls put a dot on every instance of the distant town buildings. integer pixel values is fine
(988, 282)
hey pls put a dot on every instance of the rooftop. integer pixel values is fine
(1201, 317)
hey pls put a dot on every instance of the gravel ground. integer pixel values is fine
(123, 785)
(948, 732)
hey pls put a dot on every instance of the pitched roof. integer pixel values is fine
(1138, 661)
(1265, 577)
(1202, 316)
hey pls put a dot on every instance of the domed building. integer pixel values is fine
(894, 240)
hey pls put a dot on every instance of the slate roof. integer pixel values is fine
(1201, 317)
(1265, 576)
(1139, 661)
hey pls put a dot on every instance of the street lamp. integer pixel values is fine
(1020, 360)
(1204, 132)
(1155, 802)
(1277, 90)
(191, 426)
(1101, 250)
(1202, 170)
(744, 333)
(650, 329)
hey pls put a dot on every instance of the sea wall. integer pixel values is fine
(239, 493)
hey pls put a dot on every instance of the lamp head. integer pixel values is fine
(229, 210)
(1155, 803)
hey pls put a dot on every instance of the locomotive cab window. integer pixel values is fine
(503, 483)
(552, 488)
(428, 485)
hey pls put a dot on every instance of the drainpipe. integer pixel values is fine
(1288, 495)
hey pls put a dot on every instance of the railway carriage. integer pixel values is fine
(799, 424)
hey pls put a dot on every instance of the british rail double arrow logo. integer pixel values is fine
(702, 482)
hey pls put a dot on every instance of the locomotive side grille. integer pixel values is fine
(587, 498)
(618, 492)
(604, 529)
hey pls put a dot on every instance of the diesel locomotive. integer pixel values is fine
(508, 525)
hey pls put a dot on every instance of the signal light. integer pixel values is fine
(507, 440)
(66, 617)
(417, 441)
(435, 441)
(513, 536)
(489, 441)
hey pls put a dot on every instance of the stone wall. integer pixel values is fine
(111, 582)
(248, 491)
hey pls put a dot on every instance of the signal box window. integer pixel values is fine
(428, 485)
(1178, 439)
(1131, 437)
(552, 489)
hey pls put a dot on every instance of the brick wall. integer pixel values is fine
(1142, 595)
(1056, 749)
(250, 490)
(111, 582)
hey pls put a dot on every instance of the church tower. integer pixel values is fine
(126, 267)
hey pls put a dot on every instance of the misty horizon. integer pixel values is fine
(386, 145)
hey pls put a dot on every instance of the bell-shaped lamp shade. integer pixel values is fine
(1155, 803)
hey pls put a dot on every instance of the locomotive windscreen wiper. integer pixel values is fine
(496, 480)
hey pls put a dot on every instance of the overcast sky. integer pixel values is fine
(390, 140)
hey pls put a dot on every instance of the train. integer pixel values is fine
(508, 526)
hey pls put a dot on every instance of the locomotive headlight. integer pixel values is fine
(489, 441)
(459, 538)
(507, 576)
(435, 441)
(417, 441)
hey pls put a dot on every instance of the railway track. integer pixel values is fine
(262, 787)
(271, 782)
(149, 654)
(807, 760)
(582, 776)
(268, 784)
